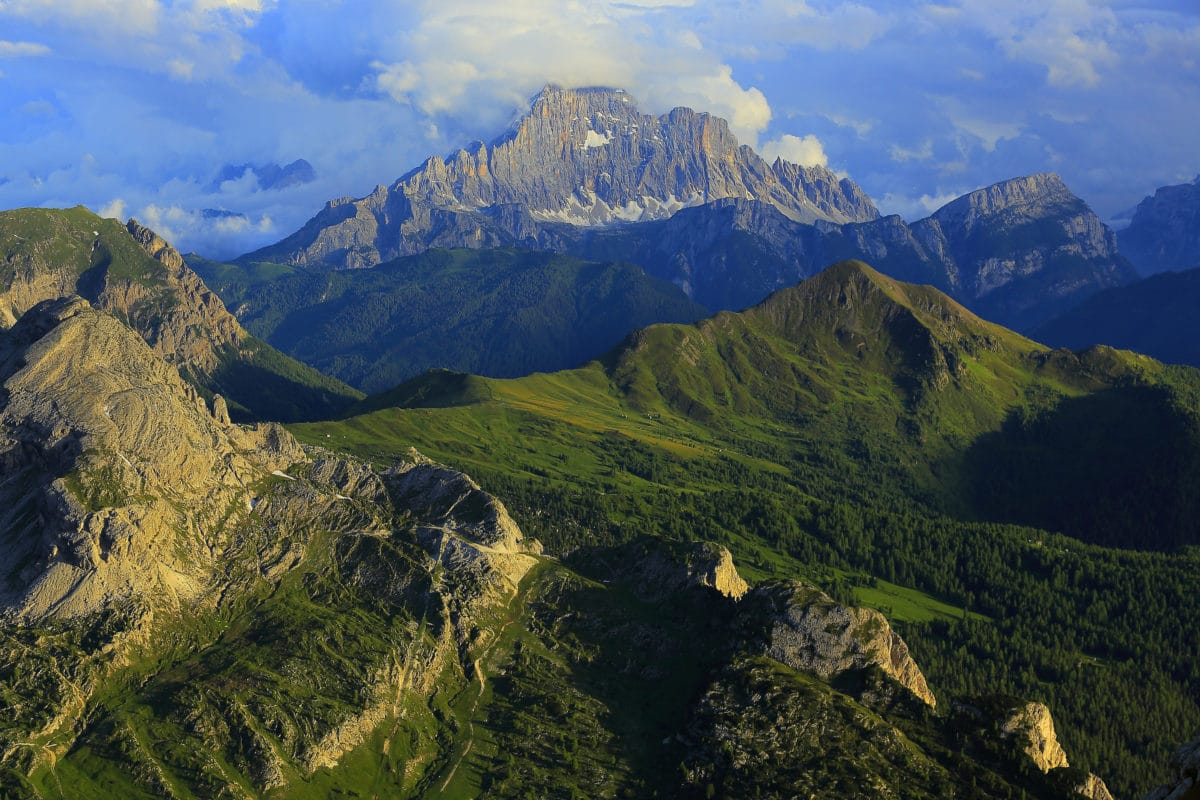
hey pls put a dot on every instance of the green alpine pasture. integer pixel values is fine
(989, 493)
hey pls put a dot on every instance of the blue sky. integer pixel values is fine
(133, 107)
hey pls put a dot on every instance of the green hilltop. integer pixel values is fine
(883, 441)
(496, 312)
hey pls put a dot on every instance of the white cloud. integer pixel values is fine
(471, 59)
(806, 151)
(178, 68)
(923, 152)
(861, 127)
(132, 16)
(1072, 39)
(114, 209)
(919, 207)
(22, 49)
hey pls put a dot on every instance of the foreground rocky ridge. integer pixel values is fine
(137, 516)
(132, 273)
(294, 622)
(121, 473)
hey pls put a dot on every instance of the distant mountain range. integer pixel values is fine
(1164, 233)
(584, 173)
(1158, 316)
(579, 157)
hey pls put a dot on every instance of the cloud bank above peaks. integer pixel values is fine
(141, 104)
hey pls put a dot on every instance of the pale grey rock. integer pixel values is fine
(808, 631)
(1093, 787)
(1033, 727)
(579, 157)
(119, 483)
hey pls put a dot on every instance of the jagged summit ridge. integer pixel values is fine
(581, 157)
(594, 150)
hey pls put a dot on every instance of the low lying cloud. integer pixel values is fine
(806, 151)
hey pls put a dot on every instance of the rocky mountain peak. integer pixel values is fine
(125, 476)
(1164, 233)
(1029, 195)
(580, 157)
(155, 246)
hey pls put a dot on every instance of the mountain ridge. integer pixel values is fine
(554, 166)
(129, 270)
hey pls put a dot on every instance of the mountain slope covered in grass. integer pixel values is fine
(881, 439)
(495, 312)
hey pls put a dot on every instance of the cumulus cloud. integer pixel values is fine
(914, 208)
(910, 98)
(471, 59)
(923, 152)
(806, 151)
(114, 209)
(1071, 39)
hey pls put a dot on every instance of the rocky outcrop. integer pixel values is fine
(1164, 233)
(582, 157)
(806, 630)
(1184, 783)
(1093, 788)
(132, 273)
(121, 480)
(464, 528)
(1032, 727)
(661, 570)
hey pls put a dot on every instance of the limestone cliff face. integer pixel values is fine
(581, 157)
(467, 531)
(132, 273)
(1024, 229)
(1032, 727)
(129, 504)
(1165, 231)
(121, 479)
(127, 270)
(197, 332)
(808, 631)
(1093, 788)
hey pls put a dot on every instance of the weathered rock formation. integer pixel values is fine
(1032, 727)
(579, 157)
(132, 273)
(121, 480)
(808, 631)
(1093, 788)
(1014, 252)
(1165, 231)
